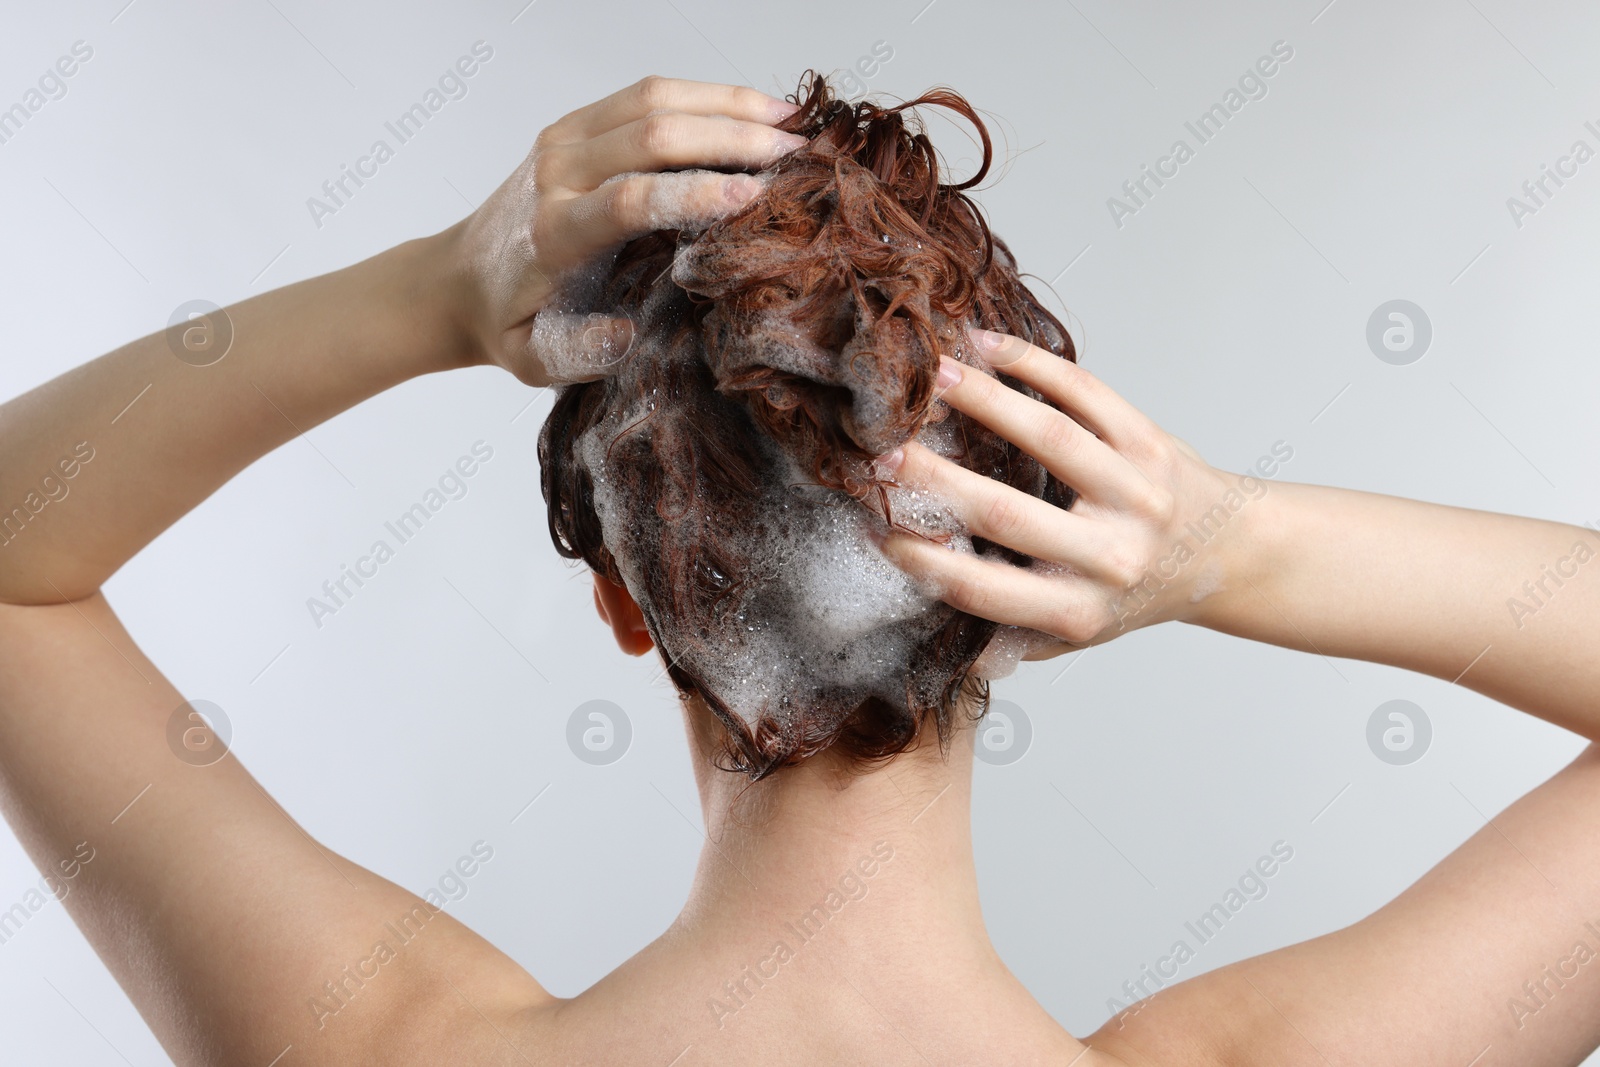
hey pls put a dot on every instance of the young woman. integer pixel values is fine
(834, 917)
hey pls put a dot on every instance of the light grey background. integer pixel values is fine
(1232, 308)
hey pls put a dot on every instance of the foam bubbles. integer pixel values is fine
(679, 200)
(759, 584)
(821, 611)
(575, 348)
(1007, 649)
(845, 587)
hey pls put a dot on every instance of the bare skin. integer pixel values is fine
(896, 968)
(1428, 978)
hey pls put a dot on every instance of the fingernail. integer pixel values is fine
(607, 338)
(949, 373)
(788, 142)
(875, 536)
(885, 465)
(986, 340)
(741, 188)
(782, 109)
(989, 344)
(622, 336)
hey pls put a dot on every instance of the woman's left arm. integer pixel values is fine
(147, 434)
(234, 932)
(144, 435)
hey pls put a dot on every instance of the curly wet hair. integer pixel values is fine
(801, 334)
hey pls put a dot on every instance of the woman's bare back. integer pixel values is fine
(243, 940)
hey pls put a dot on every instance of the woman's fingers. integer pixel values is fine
(626, 207)
(997, 512)
(667, 140)
(656, 93)
(572, 347)
(1091, 402)
(596, 178)
(1069, 451)
(1128, 545)
(994, 590)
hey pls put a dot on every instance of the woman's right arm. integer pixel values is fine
(1504, 605)
(1486, 960)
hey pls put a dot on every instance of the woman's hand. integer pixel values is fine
(593, 180)
(308, 351)
(1129, 551)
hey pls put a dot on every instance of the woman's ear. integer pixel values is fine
(618, 611)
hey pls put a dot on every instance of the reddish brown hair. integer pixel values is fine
(801, 333)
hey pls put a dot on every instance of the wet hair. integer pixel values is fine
(725, 474)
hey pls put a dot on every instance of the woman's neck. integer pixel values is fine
(838, 907)
(902, 829)
(824, 866)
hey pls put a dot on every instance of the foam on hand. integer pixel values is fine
(724, 470)
(576, 347)
(679, 200)
(1009, 646)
